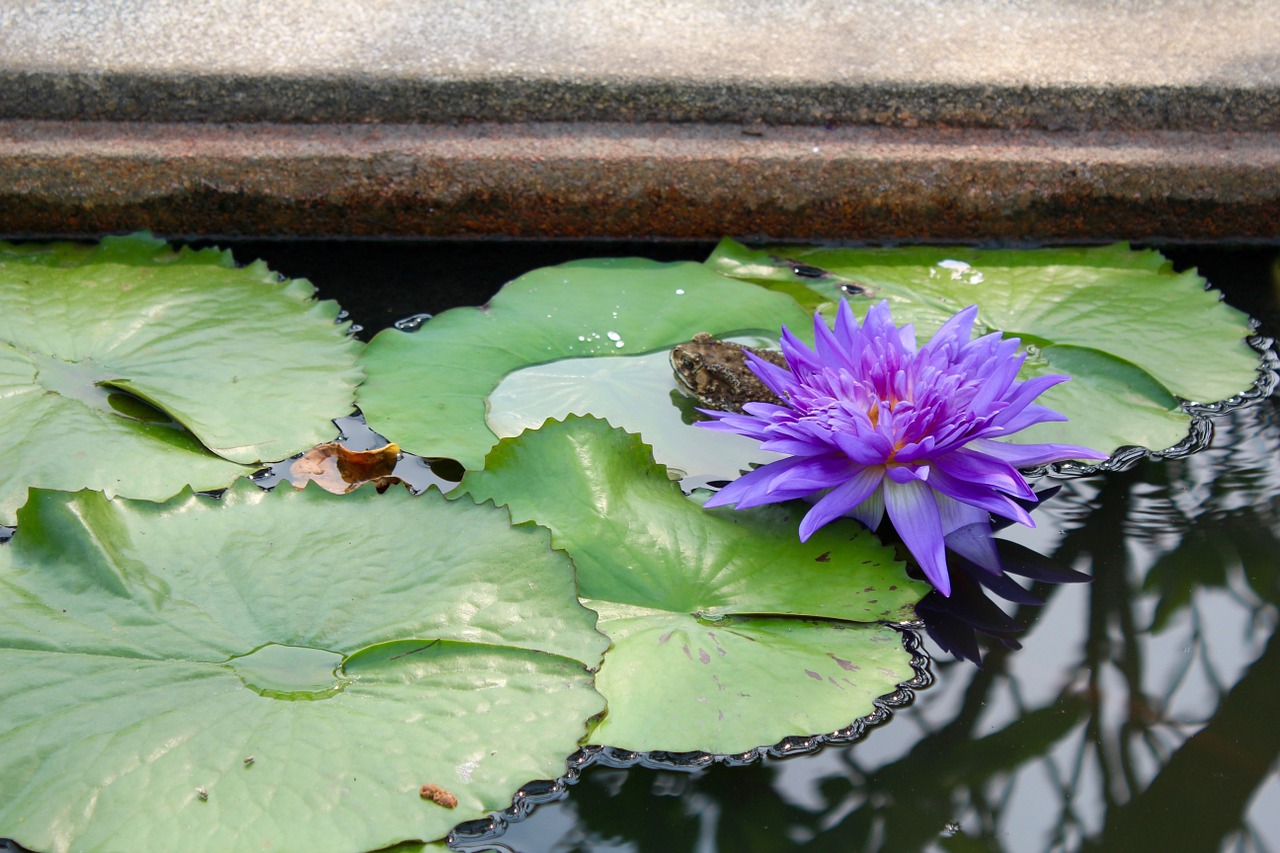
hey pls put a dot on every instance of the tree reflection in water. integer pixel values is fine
(1138, 715)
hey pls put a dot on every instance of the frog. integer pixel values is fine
(717, 375)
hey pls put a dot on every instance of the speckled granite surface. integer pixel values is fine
(862, 120)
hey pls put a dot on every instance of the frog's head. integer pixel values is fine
(689, 364)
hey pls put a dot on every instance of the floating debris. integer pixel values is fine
(438, 795)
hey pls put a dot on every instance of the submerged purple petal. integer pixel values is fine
(976, 544)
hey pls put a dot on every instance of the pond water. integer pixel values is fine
(1138, 713)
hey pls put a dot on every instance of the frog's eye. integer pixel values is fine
(688, 360)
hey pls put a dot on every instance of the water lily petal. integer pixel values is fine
(1023, 393)
(841, 500)
(777, 379)
(1031, 415)
(871, 511)
(770, 412)
(1031, 455)
(864, 448)
(996, 383)
(914, 513)
(907, 473)
(848, 332)
(913, 451)
(976, 468)
(794, 446)
(799, 357)
(980, 496)
(829, 349)
(955, 331)
(785, 479)
(956, 515)
(752, 427)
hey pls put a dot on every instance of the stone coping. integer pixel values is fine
(974, 120)
(635, 180)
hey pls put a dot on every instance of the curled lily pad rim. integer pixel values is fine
(1199, 433)
(535, 794)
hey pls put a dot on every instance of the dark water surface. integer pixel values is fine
(1140, 713)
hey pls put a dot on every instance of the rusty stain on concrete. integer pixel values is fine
(617, 180)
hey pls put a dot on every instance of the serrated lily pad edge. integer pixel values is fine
(1199, 431)
(536, 794)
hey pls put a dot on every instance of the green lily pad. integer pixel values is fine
(436, 392)
(123, 365)
(280, 670)
(728, 632)
(1135, 337)
(682, 684)
(635, 393)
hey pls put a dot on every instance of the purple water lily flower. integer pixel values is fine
(873, 425)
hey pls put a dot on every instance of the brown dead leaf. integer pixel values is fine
(340, 470)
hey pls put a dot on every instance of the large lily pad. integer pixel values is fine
(279, 670)
(123, 365)
(728, 632)
(1134, 336)
(434, 392)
